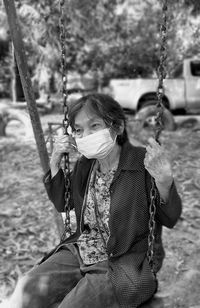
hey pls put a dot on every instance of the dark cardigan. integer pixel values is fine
(129, 270)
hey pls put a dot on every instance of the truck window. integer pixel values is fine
(178, 72)
(195, 68)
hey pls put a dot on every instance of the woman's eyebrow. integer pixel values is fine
(95, 119)
(89, 122)
(77, 125)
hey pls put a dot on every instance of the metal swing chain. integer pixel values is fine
(66, 167)
(159, 127)
(161, 70)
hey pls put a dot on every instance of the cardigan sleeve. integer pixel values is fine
(55, 188)
(169, 212)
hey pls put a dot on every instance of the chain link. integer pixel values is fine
(161, 70)
(151, 236)
(66, 167)
(158, 129)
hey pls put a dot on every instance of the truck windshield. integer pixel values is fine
(195, 68)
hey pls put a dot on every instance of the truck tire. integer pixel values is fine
(153, 102)
(146, 118)
(147, 103)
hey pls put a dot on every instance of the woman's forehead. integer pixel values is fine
(86, 114)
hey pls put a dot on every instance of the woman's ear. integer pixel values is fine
(117, 129)
(121, 129)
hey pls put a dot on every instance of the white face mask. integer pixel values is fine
(97, 145)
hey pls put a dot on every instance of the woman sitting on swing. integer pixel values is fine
(104, 264)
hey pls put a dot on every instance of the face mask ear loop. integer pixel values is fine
(73, 136)
(111, 130)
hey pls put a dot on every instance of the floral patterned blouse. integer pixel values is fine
(92, 242)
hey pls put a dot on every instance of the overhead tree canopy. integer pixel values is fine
(107, 38)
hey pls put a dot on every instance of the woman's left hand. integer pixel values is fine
(158, 164)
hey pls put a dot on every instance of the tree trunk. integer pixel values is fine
(16, 36)
(12, 69)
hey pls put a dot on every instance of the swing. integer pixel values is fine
(156, 302)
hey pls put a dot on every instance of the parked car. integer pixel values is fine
(181, 94)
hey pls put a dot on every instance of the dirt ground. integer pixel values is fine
(28, 228)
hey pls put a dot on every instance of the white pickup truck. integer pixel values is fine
(181, 93)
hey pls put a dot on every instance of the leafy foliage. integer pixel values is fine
(194, 4)
(106, 38)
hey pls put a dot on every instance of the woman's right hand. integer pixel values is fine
(63, 144)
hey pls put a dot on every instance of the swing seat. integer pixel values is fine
(155, 302)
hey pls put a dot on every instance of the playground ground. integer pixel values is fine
(28, 229)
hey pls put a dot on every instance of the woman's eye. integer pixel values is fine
(95, 125)
(78, 132)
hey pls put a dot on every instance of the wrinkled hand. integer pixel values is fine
(158, 164)
(63, 144)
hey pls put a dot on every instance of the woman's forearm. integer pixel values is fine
(54, 169)
(164, 189)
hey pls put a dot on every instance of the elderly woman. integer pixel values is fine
(104, 264)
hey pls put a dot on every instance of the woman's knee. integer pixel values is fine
(30, 292)
(18, 298)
